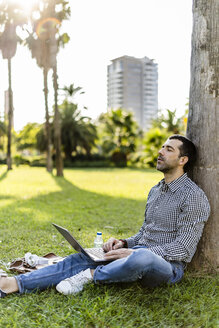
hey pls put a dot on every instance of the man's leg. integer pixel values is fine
(143, 265)
(48, 276)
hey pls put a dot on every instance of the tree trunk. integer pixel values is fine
(10, 114)
(57, 127)
(203, 122)
(48, 129)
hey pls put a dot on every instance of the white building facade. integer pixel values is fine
(133, 85)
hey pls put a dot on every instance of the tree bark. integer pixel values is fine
(203, 122)
(10, 114)
(48, 129)
(57, 126)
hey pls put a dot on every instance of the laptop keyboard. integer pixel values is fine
(98, 252)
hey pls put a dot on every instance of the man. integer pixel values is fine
(175, 214)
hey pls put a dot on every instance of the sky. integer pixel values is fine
(102, 30)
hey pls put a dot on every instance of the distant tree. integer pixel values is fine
(41, 51)
(27, 137)
(44, 42)
(2, 134)
(11, 16)
(58, 40)
(41, 138)
(152, 143)
(77, 131)
(70, 91)
(118, 134)
(169, 121)
(165, 125)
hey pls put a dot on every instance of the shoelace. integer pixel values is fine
(78, 280)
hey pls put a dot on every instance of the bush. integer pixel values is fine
(119, 159)
(19, 160)
(153, 141)
(105, 163)
(38, 162)
(3, 161)
(94, 160)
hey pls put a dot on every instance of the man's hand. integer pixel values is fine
(111, 244)
(118, 253)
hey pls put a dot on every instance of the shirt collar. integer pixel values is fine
(175, 184)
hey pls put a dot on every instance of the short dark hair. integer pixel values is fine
(186, 149)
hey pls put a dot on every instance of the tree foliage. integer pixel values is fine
(168, 120)
(27, 137)
(2, 134)
(78, 133)
(11, 16)
(152, 143)
(44, 40)
(118, 132)
(165, 125)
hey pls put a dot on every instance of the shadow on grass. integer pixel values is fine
(3, 175)
(28, 221)
(25, 226)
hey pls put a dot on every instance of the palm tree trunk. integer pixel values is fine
(57, 127)
(48, 129)
(10, 113)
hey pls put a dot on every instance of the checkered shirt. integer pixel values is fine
(174, 219)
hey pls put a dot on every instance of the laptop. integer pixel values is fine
(95, 254)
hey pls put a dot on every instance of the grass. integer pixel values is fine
(85, 201)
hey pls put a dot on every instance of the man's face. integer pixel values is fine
(169, 156)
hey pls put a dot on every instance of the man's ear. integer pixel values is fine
(183, 160)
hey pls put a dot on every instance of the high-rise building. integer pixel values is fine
(133, 85)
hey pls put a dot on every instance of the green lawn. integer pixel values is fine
(86, 201)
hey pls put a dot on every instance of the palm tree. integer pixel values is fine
(40, 50)
(2, 133)
(76, 130)
(57, 42)
(169, 121)
(11, 16)
(70, 91)
(44, 43)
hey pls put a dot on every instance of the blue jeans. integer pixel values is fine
(142, 265)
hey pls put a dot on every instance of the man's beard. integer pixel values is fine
(164, 167)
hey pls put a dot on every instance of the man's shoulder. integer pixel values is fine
(192, 186)
(195, 192)
(184, 185)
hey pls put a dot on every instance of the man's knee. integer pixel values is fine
(141, 259)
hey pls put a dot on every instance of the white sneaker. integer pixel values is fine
(74, 284)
